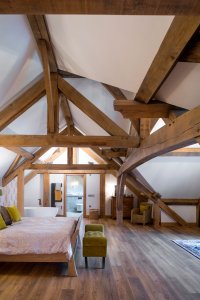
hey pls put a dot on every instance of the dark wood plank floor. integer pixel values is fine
(142, 263)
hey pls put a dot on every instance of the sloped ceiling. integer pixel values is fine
(173, 177)
(19, 59)
(182, 87)
(116, 50)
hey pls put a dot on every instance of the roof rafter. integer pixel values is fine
(179, 34)
(89, 109)
(40, 31)
(13, 165)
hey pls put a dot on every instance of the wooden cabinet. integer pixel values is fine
(94, 214)
(127, 206)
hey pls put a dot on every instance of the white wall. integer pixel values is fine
(92, 192)
(32, 192)
(187, 212)
(111, 181)
(175, 177)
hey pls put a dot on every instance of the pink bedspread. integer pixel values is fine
(38, 236)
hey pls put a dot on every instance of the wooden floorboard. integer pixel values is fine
(142, 263)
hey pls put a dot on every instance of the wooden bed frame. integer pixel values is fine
(55, 257)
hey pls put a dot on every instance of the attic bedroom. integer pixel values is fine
(99, 148)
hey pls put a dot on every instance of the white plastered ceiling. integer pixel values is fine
(116, 50)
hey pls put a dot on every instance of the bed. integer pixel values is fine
(38, 239)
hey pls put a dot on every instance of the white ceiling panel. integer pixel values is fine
(84, 123)
(7, 158)
(116, 50)
(32, 121)
(182, 87)
(19, 60)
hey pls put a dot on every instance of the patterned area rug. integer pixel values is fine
(192, 246)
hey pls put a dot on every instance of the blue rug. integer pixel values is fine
(192, 246)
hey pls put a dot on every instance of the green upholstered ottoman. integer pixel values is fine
(94, 243)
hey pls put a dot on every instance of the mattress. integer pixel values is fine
(38, 235)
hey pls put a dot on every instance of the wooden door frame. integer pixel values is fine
(84, 192)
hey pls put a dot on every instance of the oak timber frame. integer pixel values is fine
(53, 84)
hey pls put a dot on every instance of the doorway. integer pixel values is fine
(74, 195)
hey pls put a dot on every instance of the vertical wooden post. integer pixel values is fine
(20, 191)
(120, 196)
(156, 214)
(74, 155)
(46, 189)
(84, 196)
(145, 125)
(70, 155)
(102, 195)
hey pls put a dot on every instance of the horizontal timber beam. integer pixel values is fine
(56, 140)
(101, 7)
(130, 109)
(181, 201)
(178, 134)
(70, 167)
(72, 172)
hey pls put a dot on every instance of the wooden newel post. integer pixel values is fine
(20, 191)
(120, 196)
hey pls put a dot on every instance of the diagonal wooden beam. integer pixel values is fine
(101, 7)
(150, 193)
(56, 140)
(178, 134)
(40, 31)
(93, 155)
(115, 92)
(13, 165)
(21, 152)
(22, 103)
(171, 213)
(89, 109)
(179, 34)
